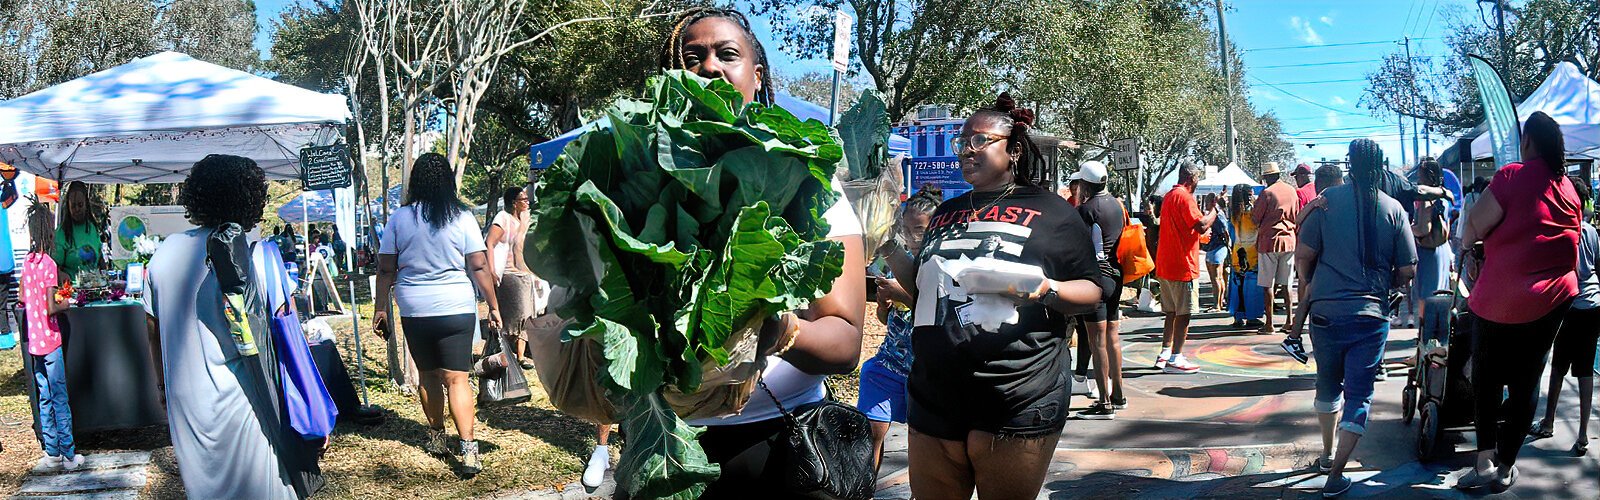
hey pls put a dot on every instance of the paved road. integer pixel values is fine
(1244, 428)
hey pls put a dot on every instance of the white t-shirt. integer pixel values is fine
(433, 263)
(501, 252)
(789, 384)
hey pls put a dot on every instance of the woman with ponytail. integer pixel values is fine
(987, 402)
(1528, 223)
(1353, 249)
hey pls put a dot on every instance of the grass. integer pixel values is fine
(526, 447)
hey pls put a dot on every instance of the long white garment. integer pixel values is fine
(222, 450)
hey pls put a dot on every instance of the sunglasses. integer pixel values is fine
(976, 142)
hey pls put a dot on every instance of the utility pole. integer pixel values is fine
(1227, 83)
(1411, 68)
(1402, 120)
(1505, 50)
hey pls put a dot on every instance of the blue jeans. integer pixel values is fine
(55, 418)
(1349, 351)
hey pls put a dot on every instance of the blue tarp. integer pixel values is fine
(543, 154)
(319, 206)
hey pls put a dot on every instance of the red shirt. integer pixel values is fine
(1530, 260)
(1306, 193)
(1178, 255)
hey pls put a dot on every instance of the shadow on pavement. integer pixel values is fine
(1247, 388)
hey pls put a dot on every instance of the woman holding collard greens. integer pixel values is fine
(813, 343)
(988, 403)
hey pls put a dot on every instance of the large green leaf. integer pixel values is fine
(864, 133)
(663, 459)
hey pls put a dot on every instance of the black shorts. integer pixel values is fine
(1575, 343)
(1046, 415)
(1110, 308)
(441, 342)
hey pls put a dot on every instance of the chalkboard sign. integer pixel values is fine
(324, 167)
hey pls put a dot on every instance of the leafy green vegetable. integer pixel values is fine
(865, 133)
(686, 218)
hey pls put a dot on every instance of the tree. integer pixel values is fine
(915, 51)
(46, 42)
(1440, 89)
(817, 88)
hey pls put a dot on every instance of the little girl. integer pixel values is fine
(39, 287)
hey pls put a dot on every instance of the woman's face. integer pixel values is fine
(913, 225)
(522, 202)
(987, 167)
(78, 204)
(717, 47)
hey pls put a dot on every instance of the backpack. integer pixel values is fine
(1132, 252)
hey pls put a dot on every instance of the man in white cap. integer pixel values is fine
(1105, 217)
(1275, 214)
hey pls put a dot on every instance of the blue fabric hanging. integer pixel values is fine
(311, 409)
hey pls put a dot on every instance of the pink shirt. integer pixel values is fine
(38, 277)
(1530, 260)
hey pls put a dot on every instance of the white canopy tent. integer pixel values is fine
(1220, 181)
(149, 120)
(1573, 100)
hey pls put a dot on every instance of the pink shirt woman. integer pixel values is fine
(39, 277)
(1530, 258)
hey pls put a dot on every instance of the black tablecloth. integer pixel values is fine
(336, 379)
(111, 377)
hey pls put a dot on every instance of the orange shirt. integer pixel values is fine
(1178, 255)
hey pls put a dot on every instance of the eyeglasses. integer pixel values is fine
(975, 141)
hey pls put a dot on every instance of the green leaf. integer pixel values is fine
(663, 458)
(864, 132)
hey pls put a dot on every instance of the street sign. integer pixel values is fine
(324, 167)
(1126, 154)
(841, 41)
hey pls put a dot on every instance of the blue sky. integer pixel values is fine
(1354, 33)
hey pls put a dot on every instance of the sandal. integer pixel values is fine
(1580, 448)
(1541, 431)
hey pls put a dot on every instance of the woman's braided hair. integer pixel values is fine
(672, 50)
(1366, 173)
(1028, 169)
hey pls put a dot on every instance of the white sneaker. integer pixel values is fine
(49, 463)
(1181, 365)
(1161, 359)
(72, 463)
(595, 472)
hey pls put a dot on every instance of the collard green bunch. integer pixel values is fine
(687, 217)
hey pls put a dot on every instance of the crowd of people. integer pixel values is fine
(986, 405)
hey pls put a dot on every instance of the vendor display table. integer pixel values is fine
(111, 377)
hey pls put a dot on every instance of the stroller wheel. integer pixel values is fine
(1428, 431)
(1408, 403)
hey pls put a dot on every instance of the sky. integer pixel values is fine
(1288, 44)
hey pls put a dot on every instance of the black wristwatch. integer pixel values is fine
(1049, 294)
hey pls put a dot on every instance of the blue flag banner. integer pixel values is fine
(1504, 132)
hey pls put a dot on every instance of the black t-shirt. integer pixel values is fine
(1104, 210)
(961, 369)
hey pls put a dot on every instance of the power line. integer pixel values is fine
(1308, 101)
(1303, 132)
(1329, 45)
(1308, 65)
(1321, 81)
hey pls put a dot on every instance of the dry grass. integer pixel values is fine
(526, 447)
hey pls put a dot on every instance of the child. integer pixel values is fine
(41, 304)
(883, 377)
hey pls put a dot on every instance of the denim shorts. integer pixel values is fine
(883, 393)
(1349, 353)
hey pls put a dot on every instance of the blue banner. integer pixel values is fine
(943, 172)
(1504, 131)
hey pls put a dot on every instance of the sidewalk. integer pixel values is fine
(1244, 428)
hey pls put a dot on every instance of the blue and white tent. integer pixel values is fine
(320, 207)
(541, 155)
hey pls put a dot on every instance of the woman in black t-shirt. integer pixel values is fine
(987, 405)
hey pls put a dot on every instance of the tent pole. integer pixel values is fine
(305, 232)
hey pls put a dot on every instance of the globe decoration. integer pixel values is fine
(129, 229)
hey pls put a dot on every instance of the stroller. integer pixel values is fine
(1438, 388)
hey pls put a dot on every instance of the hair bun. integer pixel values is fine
(1023, 116)
(1004, 103)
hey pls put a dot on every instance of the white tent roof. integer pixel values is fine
(1224, 179)
(149, 120)
(1573, 100)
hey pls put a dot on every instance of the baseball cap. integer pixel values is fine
(1091, 171)
(1302, 169)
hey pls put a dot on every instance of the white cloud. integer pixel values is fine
(1338, 101)
(1304, 32)
(1332, 120)
(1326, 20)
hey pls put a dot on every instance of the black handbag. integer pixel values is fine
(824, 451)
(505, 387)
